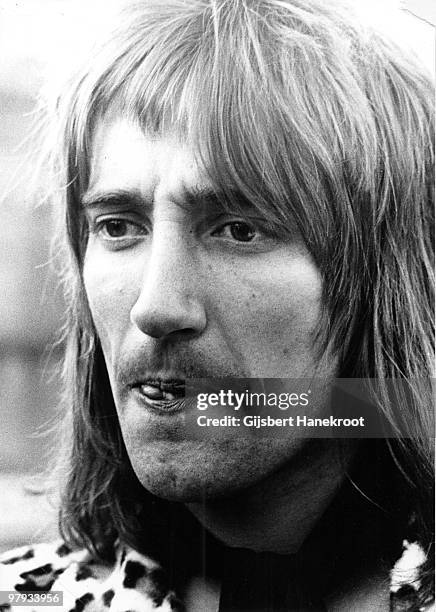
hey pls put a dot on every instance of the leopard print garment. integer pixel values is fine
(136, 583)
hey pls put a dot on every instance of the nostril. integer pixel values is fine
(182, 319)
(187, 331)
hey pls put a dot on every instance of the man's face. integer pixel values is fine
(179, 288)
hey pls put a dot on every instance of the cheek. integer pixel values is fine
(275, 311)
(110, 297)
(295, 294)
(287, 292)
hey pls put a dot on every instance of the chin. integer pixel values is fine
(170, 486)
(182, 479)
(192, 472)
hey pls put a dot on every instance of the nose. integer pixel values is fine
(169, 302)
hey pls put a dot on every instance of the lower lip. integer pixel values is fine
(161, 406)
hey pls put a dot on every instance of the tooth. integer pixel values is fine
(151, 391)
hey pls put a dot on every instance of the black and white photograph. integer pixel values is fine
(217, 305)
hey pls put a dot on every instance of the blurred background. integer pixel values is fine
(38, 41)
(40, 38)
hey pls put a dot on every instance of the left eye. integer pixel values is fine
(237, 230)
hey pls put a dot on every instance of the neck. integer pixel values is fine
(278, 513)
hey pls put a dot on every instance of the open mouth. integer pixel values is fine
(162, 391)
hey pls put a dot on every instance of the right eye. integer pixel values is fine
(118, 232)
(116, 228)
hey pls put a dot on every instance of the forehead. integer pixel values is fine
(124, 156)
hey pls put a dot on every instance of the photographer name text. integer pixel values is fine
(258, 422)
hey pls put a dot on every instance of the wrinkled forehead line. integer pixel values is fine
(115, 136)
(215, 171)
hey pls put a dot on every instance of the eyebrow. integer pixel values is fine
(208, 198)
(192, 198)
(116, 197)
(203, 197)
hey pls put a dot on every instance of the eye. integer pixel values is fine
(115, 228)
(237, 230)
(118, 229)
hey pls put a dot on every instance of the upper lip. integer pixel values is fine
(164, 383)
(139, 377)
(169, 384)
